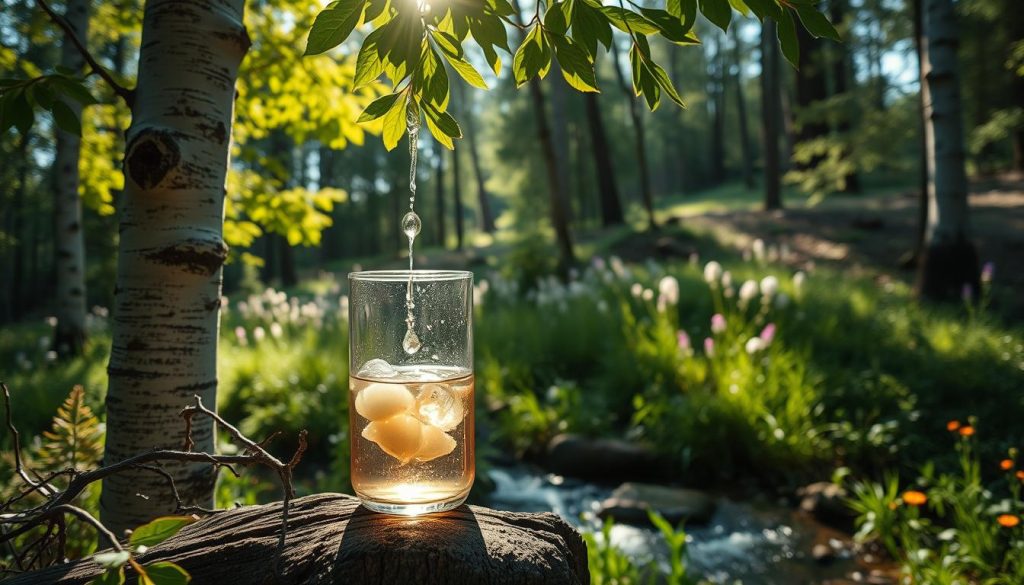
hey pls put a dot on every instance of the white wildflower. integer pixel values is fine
(668, 287)
(647, 295)
(798, 280)
(748, 291)
(757, 248)
(712, 273)
(754, 345)
(769, 286)
(258, 333)
(276, 330)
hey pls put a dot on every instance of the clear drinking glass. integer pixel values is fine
(411, 405)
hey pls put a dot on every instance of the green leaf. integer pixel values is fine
(395, 124)
(448, 43)
(575, 63)
(74, 90)
(788, 40)
(628, 21)
(164, 573)
(378, 107)
(816, 23)
(443, 121)
(671, 27)
(110, 577)
(20, 112)
(532, 58)
(764, 8)
(589, 27)
(65, 118)
(156, 531)
(333, 25)
(455, 56)
(368, 63)
(719, 12)
(111, 559)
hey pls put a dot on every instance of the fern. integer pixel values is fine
(75, 439)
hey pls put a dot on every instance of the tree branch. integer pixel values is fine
(128, 95)
(58, 503)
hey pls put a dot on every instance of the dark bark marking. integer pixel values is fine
(132, 374)
(198, 386)
(136, 344)
(218, 133)
(152, 154)
(194, 255)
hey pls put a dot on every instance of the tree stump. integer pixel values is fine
(332, 540)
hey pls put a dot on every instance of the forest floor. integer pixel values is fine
(868, 235)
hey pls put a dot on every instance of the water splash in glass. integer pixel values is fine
(411, 226)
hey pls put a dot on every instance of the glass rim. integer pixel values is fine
(403, 275)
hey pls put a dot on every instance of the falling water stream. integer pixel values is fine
(411, 226)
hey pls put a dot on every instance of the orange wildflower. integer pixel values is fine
(1008, 520)
(1020, 475)
(893, 505)
(966, 431)
(1006, 464)
(915, 498)
(952, 425)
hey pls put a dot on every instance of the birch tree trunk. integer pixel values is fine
(69, 250)
(611, 208)
(167, 295)
(770, 114)
(950, 262)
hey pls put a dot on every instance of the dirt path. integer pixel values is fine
(873, 235)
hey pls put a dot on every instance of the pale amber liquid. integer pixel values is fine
(380, 478)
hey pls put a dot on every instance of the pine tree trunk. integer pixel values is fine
(770, 115)
(167, 294)
(486, 215)
(717, 95)
(840, 74)
(20, 299)
(811, 88)
(70, 244)
(741, 112)
(950, 261)
(611, 208)
(556, 191)
(560, 137)
(442, 234)
(640, 143)
(457, 190)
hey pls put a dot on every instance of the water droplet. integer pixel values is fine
(411, 224)
(411, 344)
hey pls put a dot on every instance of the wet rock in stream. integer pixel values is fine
(605, 460)
(630, 502)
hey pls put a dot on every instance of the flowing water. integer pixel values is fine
(411, 225)
(753, 544)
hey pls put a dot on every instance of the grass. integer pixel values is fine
(798, 377)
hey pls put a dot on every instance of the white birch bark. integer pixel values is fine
(69, 248)
(167, 295)
(950, 262)
(944, 136)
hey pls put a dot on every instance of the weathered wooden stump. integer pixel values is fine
(333, 540)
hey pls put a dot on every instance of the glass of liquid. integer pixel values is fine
(411, 389)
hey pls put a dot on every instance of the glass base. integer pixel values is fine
(416, 509)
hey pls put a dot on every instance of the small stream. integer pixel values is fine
(748, 543)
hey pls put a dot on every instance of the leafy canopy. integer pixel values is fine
(413, 44)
